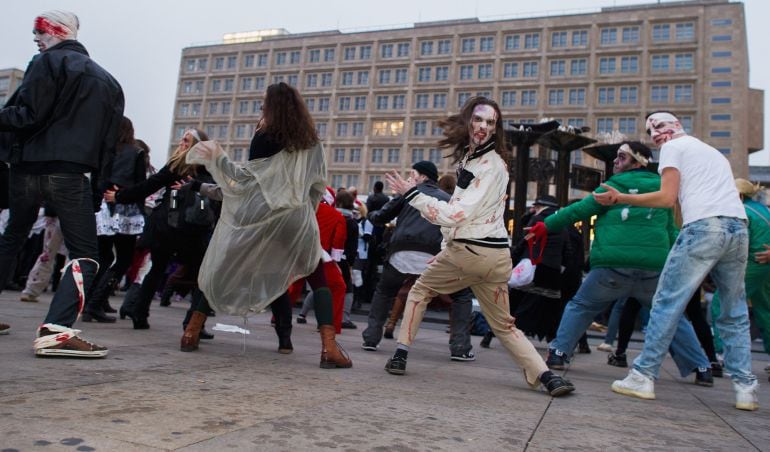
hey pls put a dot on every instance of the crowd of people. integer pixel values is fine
(239, 237)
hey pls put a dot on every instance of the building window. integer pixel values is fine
(556, 97)
(423, 74)
(529, 97)
(321, 128)
(339, 155)
(721, 84)
(683, 94)
(659, 94)
(280, 58)
(661, 32)
(608, 36)
(720, 134)
(259, 82)
(721, 22)
(660, 63)
(401, 76)
(434, 155)
(399, 102)
(382, 102)
(360, 103)
(365, 52)
(402, 49)
(426, 48)
(238, 154)
(627, 126)
(213, 108)
(721, 38)
(216, 86)
(510, 70)
(243, 107)
(418, 155)
(559, 39)
(630, 35)
(219, 63)
(576, 122)
(347, 78)
(362, 78)
(420, 128)
(311, 81)
(607, 65)
(722, 117)
(722, 54)
(721, 70)
(229, 83)
(509, 98)
(444, 47)
(685, 31)
(487, 44)
(323, 104)
(577, 96)
(439, 100)
(226, 107)
(349, 53)
(580, 38)
(393, 155)
(468, 45)
(485, 71)
(466, 72)
(462, 98)
(328, 55)
(387, 128)
(578, 67)
(629, 64)
(326, 79)
(683, 62)
(530, 69)
(294, 57)
(606, 95)
(421, 101)
(604, 125)
(246, 83)
(532, 41)
(383, 76)
(240, 131)
(337, 180)
(310, 104)
(629, 95)
(355, 156)
(342, 129)
(314, 56)
(442, 73)
(248, 61)
(558, 68)
(377, 154)
(256, 106)
(721, 100)
(386, 51)
(512, 42)
(358, 129)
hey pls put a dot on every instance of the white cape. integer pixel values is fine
(267, 235)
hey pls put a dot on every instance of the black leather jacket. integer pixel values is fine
(67, 109)
(413, 232)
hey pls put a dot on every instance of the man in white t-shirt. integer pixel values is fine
(713, 241)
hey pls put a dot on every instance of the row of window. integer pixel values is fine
(606, 95)
(679, 32)
(628, 64)
(383, 155)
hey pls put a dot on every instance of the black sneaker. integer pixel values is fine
(716, 370)
(556, 385)
(583, 348)
(556, 359)
(301, 319)
(388, 334)
(349, 325)
(468, 356)
(618, 360)
(703, 377)
(396, 366)
(369, 346)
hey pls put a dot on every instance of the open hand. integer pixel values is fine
(607, 198)
(398, 183)
(178, 184)
(763, 257)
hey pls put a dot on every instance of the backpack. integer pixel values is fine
(188, 210)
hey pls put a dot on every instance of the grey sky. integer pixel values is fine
(140, 41)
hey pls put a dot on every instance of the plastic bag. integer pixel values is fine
(523, 273)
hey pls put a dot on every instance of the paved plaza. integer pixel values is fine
(147, 395)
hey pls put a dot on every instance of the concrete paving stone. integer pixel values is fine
(147, 395)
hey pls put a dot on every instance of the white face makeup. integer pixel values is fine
(623, 162)
(663, 127)
(483, 121)
(44, 40)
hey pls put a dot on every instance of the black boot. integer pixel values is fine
(165, 296)
(487, 339)
(96, 313)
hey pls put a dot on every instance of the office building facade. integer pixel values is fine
(377, 96)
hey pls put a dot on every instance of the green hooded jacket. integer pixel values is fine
(625, 236)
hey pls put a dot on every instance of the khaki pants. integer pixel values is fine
(486, 272)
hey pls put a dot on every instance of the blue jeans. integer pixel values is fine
(69, 195)
(601, 287)
(717, 246)
(613, 323)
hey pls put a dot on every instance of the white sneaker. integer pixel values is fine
(636, 385)
(746, 396)
(605, 347)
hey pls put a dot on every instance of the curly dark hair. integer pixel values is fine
(286, 119)
(457, 129)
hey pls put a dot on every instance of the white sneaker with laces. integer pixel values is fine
(635, 384)
(605, 347)
(746, 396)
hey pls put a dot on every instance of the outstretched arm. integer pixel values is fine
(665, 197)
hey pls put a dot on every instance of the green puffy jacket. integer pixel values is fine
(625, 236)
(759, 226)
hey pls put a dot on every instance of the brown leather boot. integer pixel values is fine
(395, 313)
(191, 335)
(332, 354)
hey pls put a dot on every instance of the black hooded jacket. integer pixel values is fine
(64, 117)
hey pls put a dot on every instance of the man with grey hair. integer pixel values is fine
(59, 130)
(713, 241)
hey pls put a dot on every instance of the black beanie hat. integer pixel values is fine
(427, 169)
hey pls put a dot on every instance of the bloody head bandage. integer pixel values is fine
(61, 24)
